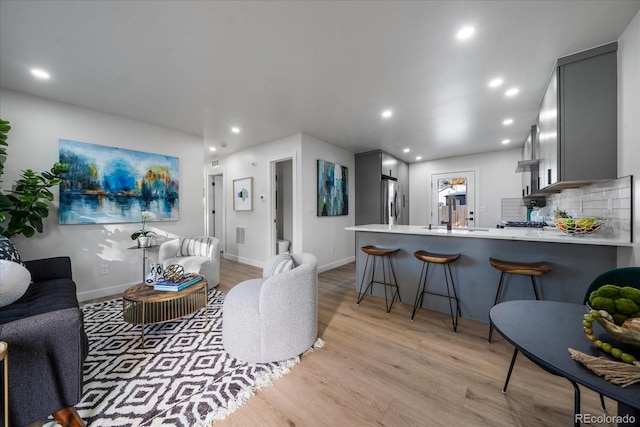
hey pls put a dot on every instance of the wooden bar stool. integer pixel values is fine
(380, 254)
(531, 269)
(446, 260)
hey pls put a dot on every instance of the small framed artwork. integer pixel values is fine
(243, 194)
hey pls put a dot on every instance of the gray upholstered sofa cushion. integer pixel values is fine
(275, 317)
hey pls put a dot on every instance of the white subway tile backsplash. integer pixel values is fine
(610, 200)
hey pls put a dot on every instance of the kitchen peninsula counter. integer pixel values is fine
(547, 234)
(577, 261)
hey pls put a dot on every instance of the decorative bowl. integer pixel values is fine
(579, 226)
(624, 335)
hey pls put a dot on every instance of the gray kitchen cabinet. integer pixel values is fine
(389, 166)
(403, 179)
(578, 120)
(372, 168)
(527, 155)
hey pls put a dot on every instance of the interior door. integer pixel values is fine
(459, 187)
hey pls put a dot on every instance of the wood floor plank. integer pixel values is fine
(380, 369)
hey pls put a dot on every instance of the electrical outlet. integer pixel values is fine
(331, 250)
(104, 269)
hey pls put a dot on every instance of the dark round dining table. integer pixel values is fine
(544, 331)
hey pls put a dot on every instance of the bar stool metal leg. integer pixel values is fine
(364, 273)
(454, 320)
(394, 285)
(421, 285)
(535, 287)
(500, 283)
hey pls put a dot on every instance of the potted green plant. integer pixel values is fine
(23, 208)
(143, 235)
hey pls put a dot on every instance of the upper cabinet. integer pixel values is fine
(389, 165)
(529, 165)
(578, 121)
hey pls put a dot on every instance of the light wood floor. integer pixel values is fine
(379, 369)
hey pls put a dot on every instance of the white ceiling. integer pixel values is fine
(326, 69)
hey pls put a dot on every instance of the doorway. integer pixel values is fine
(282, 206)
(453, 192)
(215, 209)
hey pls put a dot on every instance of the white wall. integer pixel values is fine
(325, 237)
(496, 179)
(311, 234)
(629, 127)
(37, 125)
(255, 162)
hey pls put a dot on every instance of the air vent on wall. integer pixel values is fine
(241, 235)
(215, 163)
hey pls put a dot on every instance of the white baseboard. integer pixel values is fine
(336, 264)
(321, 269)
(242, 260)
(104, 292)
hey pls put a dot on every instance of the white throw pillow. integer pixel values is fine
(281, 264)
(194, 246)
(14, 281)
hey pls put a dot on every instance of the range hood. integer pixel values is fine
(527, 165)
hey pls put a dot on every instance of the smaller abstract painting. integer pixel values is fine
(333, 189)
(243, 194)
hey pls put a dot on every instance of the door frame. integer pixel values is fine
(273, 237)
(220, 210)
(471, 173)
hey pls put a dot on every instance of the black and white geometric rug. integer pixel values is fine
(181, 377)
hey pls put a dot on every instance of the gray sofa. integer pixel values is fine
(275, 317)
(47, 344)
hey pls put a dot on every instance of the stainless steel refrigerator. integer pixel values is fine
(391, 204)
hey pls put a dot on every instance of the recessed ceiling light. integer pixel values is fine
(465, 33)
(39, 73)
(212, 148)
(386, 114)
(406, 150)
(235, 129)
(507, 122)
(419, 158)
(506, 141)
(512, 92)
(496, 82)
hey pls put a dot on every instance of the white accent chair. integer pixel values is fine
(275, 317)
(195, 254)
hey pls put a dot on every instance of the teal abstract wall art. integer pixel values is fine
(107, 185)
(333, 189)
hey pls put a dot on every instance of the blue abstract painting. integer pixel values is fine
(106, 185)
(333, 189)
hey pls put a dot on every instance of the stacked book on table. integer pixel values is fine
(169, 286)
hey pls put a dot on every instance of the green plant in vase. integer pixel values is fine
(143, 234)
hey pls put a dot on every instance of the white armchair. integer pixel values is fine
(195, 254)
(274, 317)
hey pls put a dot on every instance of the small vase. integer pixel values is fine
(155, 274)
(144, 241)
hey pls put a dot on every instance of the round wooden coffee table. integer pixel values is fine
(141, 305)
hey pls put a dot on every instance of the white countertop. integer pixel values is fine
(547, 234)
